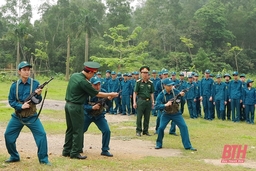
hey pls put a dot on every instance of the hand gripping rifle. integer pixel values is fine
(174, 108)
(35, 101)
(32, 95)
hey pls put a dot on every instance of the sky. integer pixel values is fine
(36, 3)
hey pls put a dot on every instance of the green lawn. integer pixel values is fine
(209, 137)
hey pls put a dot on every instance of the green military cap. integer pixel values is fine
(24, 64)
(147, 67)
(242, 75)
(91, 66)
(249, 81)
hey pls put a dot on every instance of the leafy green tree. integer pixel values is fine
(124, 51)
(202, 61)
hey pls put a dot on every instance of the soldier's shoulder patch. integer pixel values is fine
(138, 80)
(150, 81)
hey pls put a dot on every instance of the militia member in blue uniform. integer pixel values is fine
(133, 81)
(94, 112)
(114, 86)
(25, 115)
(144, 90)
(99, 76)
(120, 108)
(105, 87)
(235, 97)
(198, 102)
(242, 111)
(227, 111)
(219, 95)
(126, 94)
(182, 86)
(160, 87)
(163, 101)
(78, 90)
(206, 95)
(190, 96)
(175, 80)
(154, 79)
(249, 101)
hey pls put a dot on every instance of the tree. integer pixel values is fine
(124, 50)
(201, 61)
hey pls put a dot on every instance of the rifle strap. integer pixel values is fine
(17, 88)
(42, 104)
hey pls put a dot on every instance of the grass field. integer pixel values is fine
(209, 137)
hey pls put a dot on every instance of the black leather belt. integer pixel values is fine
(147, 99)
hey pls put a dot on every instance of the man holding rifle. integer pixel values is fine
(25, 115)
(78, 90)
(95, 112)
(167, 101)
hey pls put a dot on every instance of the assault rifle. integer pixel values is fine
(177, 97)
(32, 95)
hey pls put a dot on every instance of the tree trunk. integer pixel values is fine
(33, 73)
(86, 47)
(18, 54)
(236, 62)
(68, 56)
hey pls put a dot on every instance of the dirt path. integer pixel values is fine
(121, 147)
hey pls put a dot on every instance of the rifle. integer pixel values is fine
(32, 95)
(174, 108)
(177, 97)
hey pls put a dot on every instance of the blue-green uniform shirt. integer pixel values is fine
(163, 98)
(219, 91)
(192, 93)
(105, 84)
(206, 87)
(126, 88)
(198, 84)
(24, 90)
(114, 85)
(235, 89)
(249, 96)
(183, 85)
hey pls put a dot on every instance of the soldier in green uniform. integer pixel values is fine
(78, 90)
(144, 90)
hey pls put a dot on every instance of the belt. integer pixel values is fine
(147, 99)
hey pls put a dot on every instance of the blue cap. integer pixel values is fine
(218, 76)
(173, 73)
(136, 73)
(129, 75)
(108, 71)
(164, 71)
(98, 73)
(153, 71)
(249, 81)
(125, 74)
(192, 73)
(211, 75)
(181, 74)
(168, 82)
(159, 73)
(119, 74)
(242, 75)
(207, 71)
(235, 73)
(190, 76)
(24, 64)
(227, 75)
(196, 75)
(113, 73)
(95, 80)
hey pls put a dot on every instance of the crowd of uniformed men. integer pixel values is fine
(228, 99)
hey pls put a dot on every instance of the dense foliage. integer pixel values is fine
(174, 34)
